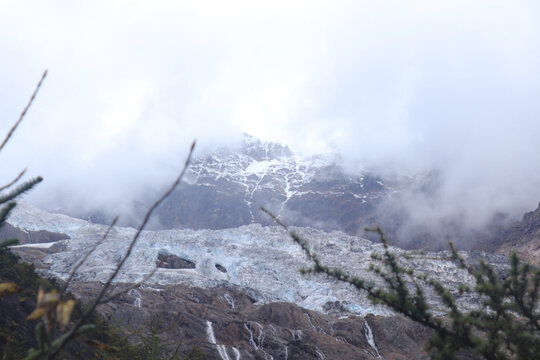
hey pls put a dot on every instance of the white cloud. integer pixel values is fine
(408, 85)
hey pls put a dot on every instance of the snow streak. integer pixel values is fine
(222, 350)
(369, 337)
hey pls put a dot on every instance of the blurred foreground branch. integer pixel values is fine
(21, 117)
(54, 347)
(54, 308)
(506, 326)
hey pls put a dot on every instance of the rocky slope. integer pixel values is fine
(236, 328)
(30, 237)
(524, 238)
(226, 189)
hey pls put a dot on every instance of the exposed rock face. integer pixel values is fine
(35, 256)
(524, 238)
(35, 245)
(167, 260)
(235, 328)
(30, 237)
(221, 268)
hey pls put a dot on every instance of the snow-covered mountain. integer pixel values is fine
(226, 189)
(227, 273)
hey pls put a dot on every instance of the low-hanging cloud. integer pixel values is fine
(406, 87)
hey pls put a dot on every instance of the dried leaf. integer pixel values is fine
(8, 289)
(102, 346)
(46, 302)
(40, 295)
(63, 312)
(37, 313)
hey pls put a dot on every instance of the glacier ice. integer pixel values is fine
(262, 260)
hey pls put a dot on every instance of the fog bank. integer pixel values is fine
(446, 86)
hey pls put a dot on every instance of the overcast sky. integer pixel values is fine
(402, 85)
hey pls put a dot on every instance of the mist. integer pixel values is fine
(395, 87)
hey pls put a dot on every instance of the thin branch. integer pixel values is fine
(146, 219)
(13, 181)
(129, 288)
(24, 187)
(83, 260)
(21, 117)
(73, 331)
(5, 210)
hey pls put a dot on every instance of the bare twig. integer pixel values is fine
(83, 260)
(21, 117)
(143, 225)
(13, 181)
(73, 331)
(129, 288)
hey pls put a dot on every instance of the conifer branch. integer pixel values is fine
(506, 327)
(12, 182)
(24, 187)
(4, 211)
(129, 288)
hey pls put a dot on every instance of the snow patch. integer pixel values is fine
(369, 337)
(236, 353)
(230, 300)
(138, 300)
(222, 350)
(251, 340)
(261, 167)
(38, 245)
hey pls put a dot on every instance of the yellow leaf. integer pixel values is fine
(37, 313)
(63, 312)
(8, 289)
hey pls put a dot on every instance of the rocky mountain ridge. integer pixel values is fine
(226, 188)
(524, 238)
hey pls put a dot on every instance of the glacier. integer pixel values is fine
(262, 260)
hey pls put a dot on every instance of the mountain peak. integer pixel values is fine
(264, 150)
